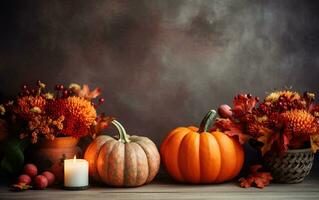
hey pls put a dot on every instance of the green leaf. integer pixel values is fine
(13, 158)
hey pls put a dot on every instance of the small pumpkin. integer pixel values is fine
(196, 156)
(129, 161)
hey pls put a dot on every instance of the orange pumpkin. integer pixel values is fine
(195, 155)
(125, 162)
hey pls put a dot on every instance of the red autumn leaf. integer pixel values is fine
(232, 129)
(243, 104)
(262, 179)
(284, 142)
(254, 168)
(245, 182)
(257, 178)
(281, 144)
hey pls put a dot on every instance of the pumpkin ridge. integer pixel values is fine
(240, 156)
(152, 156)
(209, 158)
(138, 158)
(166, 154)
(178, 154)
(124, 164)
(235, 158)
(142, 165)
(184, 159)
(199, 156)
(91, 154)
(221, 162)
(101, 159)
(129, 159)
(163, 148)
(109, 172)
(223, 141)
(147, 157)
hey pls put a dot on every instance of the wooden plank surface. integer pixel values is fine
(167, 189)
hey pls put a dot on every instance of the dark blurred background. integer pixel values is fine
(161, 63)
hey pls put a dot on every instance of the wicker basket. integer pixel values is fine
(291, 168)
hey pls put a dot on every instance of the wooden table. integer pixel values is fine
(165, 188)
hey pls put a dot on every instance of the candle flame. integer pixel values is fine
(74, 158)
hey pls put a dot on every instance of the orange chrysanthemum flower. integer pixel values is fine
(79, 115)
(300, 122)
(82, 109)
(27, 103)
(274, 96)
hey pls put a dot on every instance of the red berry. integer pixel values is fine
(65, 93)
(24, 179)
(70, 92)
(40, 182)
(24, 87)
(50, 176)
(30, 169)
(101, 100)
(56, 87)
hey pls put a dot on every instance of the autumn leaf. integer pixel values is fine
(243, 104)
(298, 142)
(101, 123)
(314, 139)
(256, 177)
(268, 137)
(282, 144)
(21, 187)
(245, 182)
(85, 91)
(232, 129)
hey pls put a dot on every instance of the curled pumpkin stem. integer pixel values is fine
(122, 133)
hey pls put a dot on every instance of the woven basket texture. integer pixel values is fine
(292, 167)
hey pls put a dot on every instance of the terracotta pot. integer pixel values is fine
(50, 155)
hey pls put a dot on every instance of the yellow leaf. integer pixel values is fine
(267, 139)
(314, 139)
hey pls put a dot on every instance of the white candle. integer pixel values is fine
(76, 173)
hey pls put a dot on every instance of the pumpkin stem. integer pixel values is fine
(207, 121)
(123, 136)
